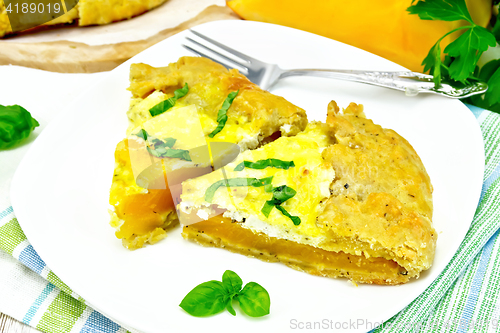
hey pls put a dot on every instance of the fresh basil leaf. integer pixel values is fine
(162, 107)
(163, 148)
(229, 306)
(155, 142)
(221, 123)
(181, 92)
(262, 164)
(213, 296)
(179, 153)
(205, 299)
(443, 10)
(254, 300)
(268, 207)
(283, 193)
(142, 134)
(232, 282)
(295, 219)
(280, 194)
(172, 153)
(222, 114)
(466, 50)
(235, 182)
(16, 124)
(167, 143)
(170, 102)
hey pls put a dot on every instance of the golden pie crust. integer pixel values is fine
(374, 226)
(92, 12)
(254, 116)
(363, 194)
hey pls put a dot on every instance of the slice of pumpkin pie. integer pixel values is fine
(343, 199)
(175, 110)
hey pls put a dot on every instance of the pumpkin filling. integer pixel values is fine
(140, 215)
(223, 232)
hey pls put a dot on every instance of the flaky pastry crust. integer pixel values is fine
(379, 211)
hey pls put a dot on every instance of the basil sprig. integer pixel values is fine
(262, 164)
(222, 115)
(280, 194)
(212, 297)
(168, 103)
(163, 148)
(237, 182)
(16, 124)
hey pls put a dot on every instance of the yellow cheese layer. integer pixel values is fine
(310, 178)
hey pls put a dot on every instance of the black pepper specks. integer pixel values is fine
(346, 186)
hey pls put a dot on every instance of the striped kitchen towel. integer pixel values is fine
(31, 293)
(464, 298)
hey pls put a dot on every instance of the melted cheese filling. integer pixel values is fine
(238, 130)
(310, 178)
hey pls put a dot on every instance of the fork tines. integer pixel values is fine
(241, 62)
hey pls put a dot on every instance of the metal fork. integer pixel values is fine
(266, 75)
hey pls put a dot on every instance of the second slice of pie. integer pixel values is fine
(343, 199)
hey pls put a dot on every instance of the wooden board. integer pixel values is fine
(10, 325)
(73, 57)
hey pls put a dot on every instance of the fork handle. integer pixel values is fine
(410, 82)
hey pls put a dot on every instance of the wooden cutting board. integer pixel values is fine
(76, 57)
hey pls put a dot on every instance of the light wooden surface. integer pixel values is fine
(10, 325)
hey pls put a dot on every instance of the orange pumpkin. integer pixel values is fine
(383, 27)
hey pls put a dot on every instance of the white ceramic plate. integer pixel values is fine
(60, 195)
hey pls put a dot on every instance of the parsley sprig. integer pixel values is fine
(214, 296)
(465, 50)
(462, 55)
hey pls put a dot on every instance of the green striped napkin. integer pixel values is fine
(465, 296)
